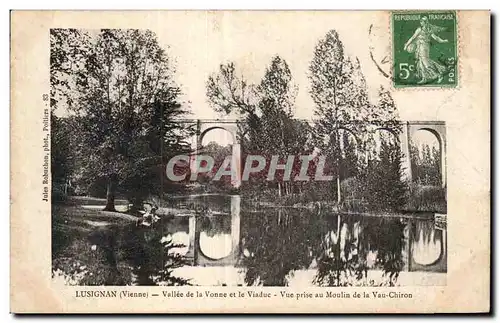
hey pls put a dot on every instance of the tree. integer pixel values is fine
(68, 51)
(68, 48)
(277, 93)
(426, 164)
(277, 87)
(387, 112)
(62, 157)
(219, 154)
(383, 174)
(388, 172)
(227, 93)
(328, 74)
(349, 166)
(267, 109)
(338, 90)
(128, 107)
(436, 165)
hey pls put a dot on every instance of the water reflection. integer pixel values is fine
(428, 247)
(271, 246)
(276, 243)
(215, 237)
(180, 239)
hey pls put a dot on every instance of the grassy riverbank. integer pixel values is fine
(95, 247)
(74, 259)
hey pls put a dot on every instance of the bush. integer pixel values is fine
(426, 198)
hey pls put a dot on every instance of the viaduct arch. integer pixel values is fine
(438, 129)
(203, 126)
(409, 128)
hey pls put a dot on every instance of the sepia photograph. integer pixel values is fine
(147, 192)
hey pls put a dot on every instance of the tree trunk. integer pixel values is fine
(339, 198)
(338, 251)
(339, 157)
(110, 194)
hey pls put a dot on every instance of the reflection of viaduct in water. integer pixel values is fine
(425, 246)
(409, 129)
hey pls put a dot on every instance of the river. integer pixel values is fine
(224, 243)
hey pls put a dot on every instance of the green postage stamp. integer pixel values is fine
(425, 49)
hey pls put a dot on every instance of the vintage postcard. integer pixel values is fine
(250, 161)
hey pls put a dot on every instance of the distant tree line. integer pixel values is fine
(426, 164)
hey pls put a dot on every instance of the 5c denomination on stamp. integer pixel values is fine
(424, 49)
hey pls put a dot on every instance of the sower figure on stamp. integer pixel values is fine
(428, 69)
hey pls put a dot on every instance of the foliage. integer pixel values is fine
(219, 154)
(227, 93)
(68, 51)
(385, 189)
(333, 88)
(127, 105)
(425, 164)
(62, 158)
(426, 198)
(346, 125)
(267, 108)
(382, 173)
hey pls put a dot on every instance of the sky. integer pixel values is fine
(198, 42)
(221, 38)
(199, 51)
(251, 40)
